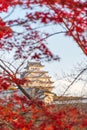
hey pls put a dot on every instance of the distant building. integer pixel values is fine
(38, 81)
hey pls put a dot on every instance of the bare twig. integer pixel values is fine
(74, 80)
(20, 65)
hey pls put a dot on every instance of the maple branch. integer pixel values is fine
(5, 69)
(9, 13)
(19, 86)
(77, 41)
(21, 23)
(50, 36)
(20, 65)
(24, 92)
(6, 66)
(54, 34)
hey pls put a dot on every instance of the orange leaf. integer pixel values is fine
(24, 128)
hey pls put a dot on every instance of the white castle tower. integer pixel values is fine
(38, 81)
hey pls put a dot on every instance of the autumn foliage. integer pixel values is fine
(24, 35)
(21, 114)
(70, 14)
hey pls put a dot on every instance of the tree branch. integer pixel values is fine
(19, 86)
(9, 13)
(74, 80)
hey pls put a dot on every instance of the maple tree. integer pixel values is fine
(29, 41)
(27, 115)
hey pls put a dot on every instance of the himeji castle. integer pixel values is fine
(38, 81)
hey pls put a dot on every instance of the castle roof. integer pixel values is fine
(36, 64)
